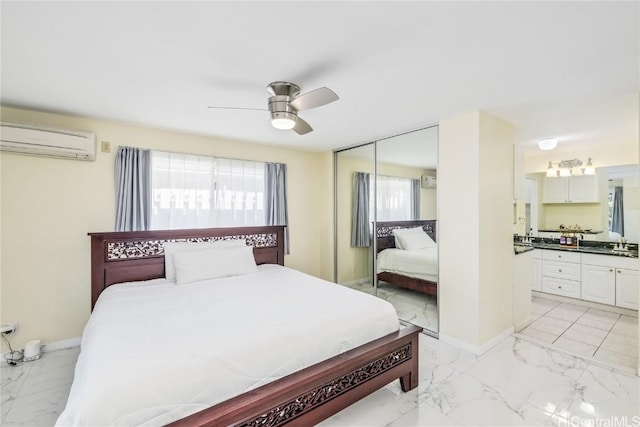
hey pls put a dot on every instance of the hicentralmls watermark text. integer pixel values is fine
(576, 421)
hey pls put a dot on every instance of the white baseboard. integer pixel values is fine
(475, 349)
(526, 322)
(59, 345)
(605, 307)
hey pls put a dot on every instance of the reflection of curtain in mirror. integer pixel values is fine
(360, 235)
(415, 199)
(394, 198)
(617, 218)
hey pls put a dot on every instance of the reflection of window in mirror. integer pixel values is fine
(398, 198)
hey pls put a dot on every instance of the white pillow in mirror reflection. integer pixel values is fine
(412, 239)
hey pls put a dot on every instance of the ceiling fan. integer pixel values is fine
(285, 102)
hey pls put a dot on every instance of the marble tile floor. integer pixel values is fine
(516, 383)
(603, 336)
(411, 306)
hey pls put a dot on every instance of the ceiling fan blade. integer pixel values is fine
(301, 127)
(313, 99)
(239, 108)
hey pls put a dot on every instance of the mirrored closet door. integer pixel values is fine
(354, 172)
(400, 184)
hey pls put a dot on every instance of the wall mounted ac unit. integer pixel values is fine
(427, 181)
(47, 142)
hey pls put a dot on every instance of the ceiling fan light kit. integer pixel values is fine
(283, 120)
(285, 102)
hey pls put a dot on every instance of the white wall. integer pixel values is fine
(475, 201)
(49, 206)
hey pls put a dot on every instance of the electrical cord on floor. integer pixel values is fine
(12, 357)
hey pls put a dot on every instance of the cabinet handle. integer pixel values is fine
(619, 271)
(559, 270)
(611, 269)
(559, 287)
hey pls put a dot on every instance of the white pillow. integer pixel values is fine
(170, 248)
(213, 263)
(412, 239)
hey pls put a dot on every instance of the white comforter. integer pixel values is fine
(421, 263)
(153, 352)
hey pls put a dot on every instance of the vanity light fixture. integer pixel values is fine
(566, 168)
(548, 143)
(589, 169)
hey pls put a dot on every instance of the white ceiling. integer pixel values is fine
(563, 69)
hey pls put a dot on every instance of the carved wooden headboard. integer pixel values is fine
(384, 231)
(118, 257)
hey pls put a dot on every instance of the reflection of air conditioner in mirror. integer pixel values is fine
(47, 142)
(428, 181)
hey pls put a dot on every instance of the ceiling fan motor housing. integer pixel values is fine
(280, 108)
(282, 93)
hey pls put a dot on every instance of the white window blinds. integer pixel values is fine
(190, 191)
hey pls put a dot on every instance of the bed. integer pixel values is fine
(414, 269)
(148, 341)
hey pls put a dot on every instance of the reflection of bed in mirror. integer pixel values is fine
(410, 269)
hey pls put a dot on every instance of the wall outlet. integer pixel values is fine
(9, 328)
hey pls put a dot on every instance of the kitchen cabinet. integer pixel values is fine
(536, 280)
(572, 189)
(561, 273)
(627, 288)
(599, 284)
(605, 279)
(567, 288)
(610, 280)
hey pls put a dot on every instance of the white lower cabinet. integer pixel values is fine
(627, 288)
(561, 273)
(610, 280)
(599, 284)
(604, 279)
(536, 280)
(564, 287)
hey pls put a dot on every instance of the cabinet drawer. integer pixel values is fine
(567, 288)
(561, 270)
(564, 256)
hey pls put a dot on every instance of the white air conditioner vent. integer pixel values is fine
(427, 181)
(47, 142)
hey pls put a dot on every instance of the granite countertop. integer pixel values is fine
(600, 248)
(568, 230)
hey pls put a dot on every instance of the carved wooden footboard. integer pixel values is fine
(313, 394)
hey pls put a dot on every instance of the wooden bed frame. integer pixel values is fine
(302, 398)
(385, 240)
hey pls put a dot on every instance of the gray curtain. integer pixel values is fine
(617, 216)
(133, 189)
(415, 199)
(275, 195)
(360, 234)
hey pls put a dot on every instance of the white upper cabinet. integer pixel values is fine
(572, 189)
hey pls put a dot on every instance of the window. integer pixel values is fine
(394, 201)
(189, 191)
